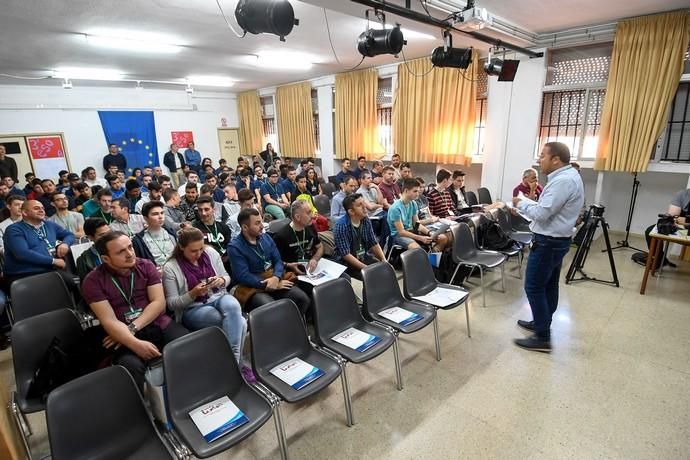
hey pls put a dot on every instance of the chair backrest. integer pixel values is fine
(471, 198)
(38, 294)
(502, 219)
(199, 367)
(463, 244)
(335, 308)
(381, 288)
(332, 180)
(484, 195)
(275, 226)
(31, 338)
(100, 415)
(329, 188)
(323, 205)
(278, 333)
(518, 223)
(418, 275)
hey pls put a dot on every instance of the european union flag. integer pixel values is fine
(135, 134)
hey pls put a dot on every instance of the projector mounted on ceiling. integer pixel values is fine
(473, 19)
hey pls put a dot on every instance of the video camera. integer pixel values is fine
(596, 210)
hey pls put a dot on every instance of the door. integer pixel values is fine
(16, 148)
(229, 141)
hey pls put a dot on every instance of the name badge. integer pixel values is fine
(360, 253)
(451, 213)
(133, 314)
(267, 265)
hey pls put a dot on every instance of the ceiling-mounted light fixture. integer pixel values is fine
(285, 61)
(138, 86)
(210, 80)
(447, 56)
(266, 17)
(131, 41)
(87, 73)
(504, 68)
(373, 42)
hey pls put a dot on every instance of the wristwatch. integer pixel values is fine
(133, 328)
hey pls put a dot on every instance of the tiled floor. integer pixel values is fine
(617, 384)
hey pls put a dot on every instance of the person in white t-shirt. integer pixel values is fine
(89, 175)
(14, 205)
(72, 221)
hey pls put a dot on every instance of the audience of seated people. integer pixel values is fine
(348, 186)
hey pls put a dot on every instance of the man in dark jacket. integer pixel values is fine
(174, 161)
(114, 158)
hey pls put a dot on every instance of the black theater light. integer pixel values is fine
(373, 42)
(447, 56)
(266, 17)
(504, 69)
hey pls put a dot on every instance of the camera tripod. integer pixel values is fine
(624, 244)
(596, 218)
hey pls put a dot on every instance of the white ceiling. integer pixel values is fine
(36, 41)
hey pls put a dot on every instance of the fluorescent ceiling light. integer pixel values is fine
(407, 33)
(283, 61)
(84, 73)
(139, 42)
(210, 80)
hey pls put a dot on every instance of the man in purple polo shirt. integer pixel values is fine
(126, 295)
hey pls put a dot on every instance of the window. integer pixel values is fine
(315, 119)
(573, 99)
(480, 109)
(268, 119)
(384, 113)
(676, 146)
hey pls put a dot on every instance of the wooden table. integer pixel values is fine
(656, 246)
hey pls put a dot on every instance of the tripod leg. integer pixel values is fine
(604, 228)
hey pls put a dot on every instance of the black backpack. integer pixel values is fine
(494, 238)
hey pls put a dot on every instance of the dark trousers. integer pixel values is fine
(541, 280)
(137, 366)
(295, 294)
(357, 273)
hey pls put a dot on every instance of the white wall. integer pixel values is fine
(37, 109)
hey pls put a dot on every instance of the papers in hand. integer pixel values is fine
(442, 297)
(400, 315)
(296, 373)
(325, 270)
(217, 418)
(356, 339)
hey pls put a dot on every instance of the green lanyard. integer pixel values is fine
(128, 298)
(358, 237)
(106, 219)
(301, 253)
(260, 254)
(161, 249)
(213, 232)
(43, 235)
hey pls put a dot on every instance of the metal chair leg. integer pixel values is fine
(22, 423)
(280, 431)
(396, 357)
(503, 277)
(467, 316)
(481, 278)
(437, 338)
(346, 394)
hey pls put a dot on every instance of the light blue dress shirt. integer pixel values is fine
(559, 205)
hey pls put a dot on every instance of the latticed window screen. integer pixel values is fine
(384, 113)
(677, 142)
(482, 80)
(315, 111)
(268, 119)
(579, 66)
(384, 95)
(562, 117)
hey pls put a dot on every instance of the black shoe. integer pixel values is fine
(534, 343)
(668, 263)
(526, 325)
(5, 341)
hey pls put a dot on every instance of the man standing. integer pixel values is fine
(175, 163)
(8, 167)
(529, 186)
(347, 186)
(258, 268)
(553, 219)
(123, 221)
(354, 237)
(126, 295)
(154, 243)
(216, 234)
(389, 189)
(72, 221)
(33, 246)
(269, 155)
(114, 158)
(192, 157)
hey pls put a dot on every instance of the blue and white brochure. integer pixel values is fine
(296, 373)
(356, 339)
(217, 418)
(400, 315)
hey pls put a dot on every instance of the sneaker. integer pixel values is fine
(534, 343)
(526, 325)
(248, 374)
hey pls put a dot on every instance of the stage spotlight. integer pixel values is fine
(447, 56)
(505, 69)
(373, 42)
(266, 17)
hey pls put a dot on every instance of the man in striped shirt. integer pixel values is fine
(440, 201)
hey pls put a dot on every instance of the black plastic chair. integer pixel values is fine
(382, 291)
(102, 416)
(38, 294)
(199, 368)
(484, 196)
(419, 280)
(31, 338)
(515, 250)
(471, 198)
(278, 335)
(501, 216)
(332, 180)
(466, 253)
(322, 205)
(328, 189)
(335, 310)
(518, 223)
(275, 226)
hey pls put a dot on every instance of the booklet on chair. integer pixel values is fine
(296, 373)
(356, 339)
(400, 315)
(217, 418)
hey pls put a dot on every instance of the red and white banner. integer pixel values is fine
(182, 138)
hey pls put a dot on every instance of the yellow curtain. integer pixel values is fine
(433, 112)
(251, 126)
(295, 120)
(646, 66)
(356, 127)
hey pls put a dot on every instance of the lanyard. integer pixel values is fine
(97, 255)
(107, 219)
(300, 243)
(42, 234)
(161, 249)
(357, 236)
(128, 298)
(64, 223)
(260, 254)
(213, 232)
